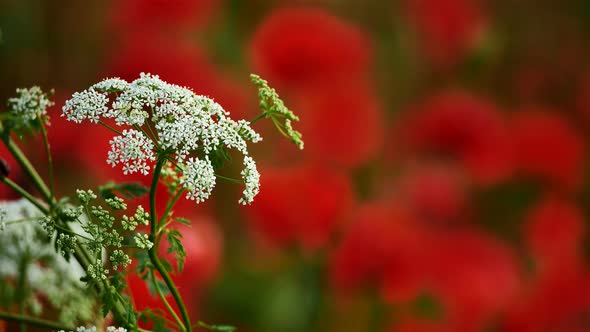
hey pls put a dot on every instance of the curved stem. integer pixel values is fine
(168, 306)
(69, 231)
(33, 321)
(228, 179)
(49, 160)
(260, 116)
(25, 194)
(100, 122)
(169, 207)
(18, 221)
(153, 252)
(27, 167)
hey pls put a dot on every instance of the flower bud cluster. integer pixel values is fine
(30, 105)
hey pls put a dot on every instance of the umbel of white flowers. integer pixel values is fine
(159, 117)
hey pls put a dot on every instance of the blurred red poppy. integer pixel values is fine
(435, 192)
(381, 248)
(130, 15)
(475, 276)
(300, 205)
(555, 301)
(458, 125)
(341, 123)
(447, 29)
(549, 149)
(297, 46)
(554, 232)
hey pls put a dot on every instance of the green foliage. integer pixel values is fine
(274, 108)
(183, 221)
(95, 230)
(129, 190)
(175, 239)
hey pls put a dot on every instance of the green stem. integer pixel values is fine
(18, 221)
(25, 194)
(69, 231)
(33, 321)
(261, 116)
(152, 132)
(162, 223)
(27, 167)
(168, 306)
(21, 290)
(109, 128)
(169, 206)
(228, 179)
(153, 252)
(81, 255)
(49, 159)
(153, 139)
(279, 127)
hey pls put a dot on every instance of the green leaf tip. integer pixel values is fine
(274, 108)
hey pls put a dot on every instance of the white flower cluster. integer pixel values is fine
(167, 119)
(251, 180)
(133, 149)
(199, 179)
(31, 104)
(93, 329)
(88, 104)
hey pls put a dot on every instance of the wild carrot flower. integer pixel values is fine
(170, 121)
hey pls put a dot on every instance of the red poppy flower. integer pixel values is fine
(299, 45)
(381, 248)
(300, 205)
(556, 301)
(549, 148)
(447, 29)
(474, 276)
(461, 126)
(554, 229)
(129, 15)
(435, 193)
(342, 124)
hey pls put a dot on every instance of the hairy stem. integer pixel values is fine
(153, 252)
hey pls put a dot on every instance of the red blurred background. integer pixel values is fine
(444, 182)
